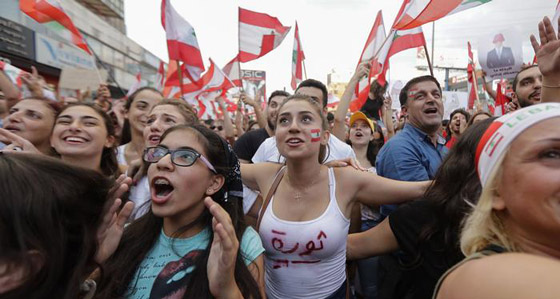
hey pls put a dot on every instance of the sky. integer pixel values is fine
(332, 32)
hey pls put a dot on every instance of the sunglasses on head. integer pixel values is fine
(183, 157)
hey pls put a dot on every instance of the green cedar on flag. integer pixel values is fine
(297, 60)
(420, 12)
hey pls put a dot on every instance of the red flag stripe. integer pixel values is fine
(260, 20)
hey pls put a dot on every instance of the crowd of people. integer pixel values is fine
(139, 198)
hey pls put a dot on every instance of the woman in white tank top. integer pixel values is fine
(305, 224)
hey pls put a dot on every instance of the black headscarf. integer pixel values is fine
(233, 185)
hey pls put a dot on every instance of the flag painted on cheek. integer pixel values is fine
(315, 135)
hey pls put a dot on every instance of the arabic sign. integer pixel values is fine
(16, 39)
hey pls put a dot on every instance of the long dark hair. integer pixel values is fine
(455, 189)
(140, 236)
(126, 135)
(109, 165)
(54, 209)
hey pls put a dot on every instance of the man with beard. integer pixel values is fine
(527, 87)
(412, 155)
(247, 144)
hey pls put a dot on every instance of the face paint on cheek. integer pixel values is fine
(412, 92)
(315, 135)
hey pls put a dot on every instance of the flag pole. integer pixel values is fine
(239, 47)
(433, 36)
(179, 73)
(304, 70)
(429, 62)
(95, 59)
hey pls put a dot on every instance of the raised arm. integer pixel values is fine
(239, 120)
(375, 241)
(261, 119)
(488, 86)
(228, 125)
(388, 116)
(548, 57)
(339, 129)
(377, 190)
(11, 92)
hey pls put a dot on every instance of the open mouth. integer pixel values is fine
(154, 139)
(294, 141)
(359, 134)
(74, 140)
(12, 129)
(431, 111)
(535, 96)
(162, 189)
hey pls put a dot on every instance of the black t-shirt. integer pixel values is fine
(371, 108)
(247, 145)
(422, 266)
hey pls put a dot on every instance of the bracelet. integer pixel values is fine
(550, 86)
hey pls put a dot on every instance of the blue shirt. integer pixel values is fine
(166, 269)
(409, 156)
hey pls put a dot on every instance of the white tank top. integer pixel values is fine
(305, 259)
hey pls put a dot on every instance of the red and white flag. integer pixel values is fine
(136, 85)
(182, 44)
(371, 48)
(217, 80)
(160, 77)
(472, 82)
(501, 100)
(396, 41)
(51, 14)
(232, 71)
(259, 34)
(420, 12)
(297, 60)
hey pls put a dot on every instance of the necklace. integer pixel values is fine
(298, 194)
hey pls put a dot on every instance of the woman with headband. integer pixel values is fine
(512, 238)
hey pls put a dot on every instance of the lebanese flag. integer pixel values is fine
(172, 86)
(136, 85)
(182, 44)
(232, 71)
(372, 46)
(160, 77)
(420, 12)
(471, 81)
(501, 101)
(333, 100)
(217, 80)
(51, 14)
(259, 34)
(397, 41)
(400, 40)
(297, 61)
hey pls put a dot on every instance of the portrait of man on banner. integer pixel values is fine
(500, 56)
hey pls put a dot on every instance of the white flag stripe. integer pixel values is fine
(248, 42)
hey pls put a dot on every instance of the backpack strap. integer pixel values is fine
(271, 191)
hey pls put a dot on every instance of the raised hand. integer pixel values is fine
(16, 143)
(223, 253)
(548, 51)
(245, 98)
(362, 70)
(34, 82)
(112, 226)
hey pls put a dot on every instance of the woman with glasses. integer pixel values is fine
(193, 242)
(162, 116)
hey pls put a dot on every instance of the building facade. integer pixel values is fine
(24, 42)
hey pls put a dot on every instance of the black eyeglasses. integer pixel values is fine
(179, 157)
(218, 127)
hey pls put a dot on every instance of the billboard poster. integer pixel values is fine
(500, 54)
(254, 81)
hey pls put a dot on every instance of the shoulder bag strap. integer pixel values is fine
(271, 192)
